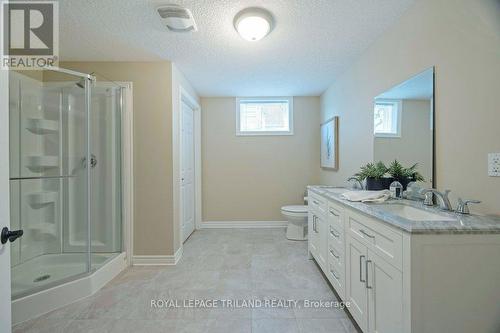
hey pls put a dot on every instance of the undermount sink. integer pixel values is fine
(414, 214)
(337, 190)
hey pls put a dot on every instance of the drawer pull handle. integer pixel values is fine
(314, 223)
(366, 234)
(361, 269)
(333, 254)
(333, 213)
(316, 202)
(366, 276)
(333, 273)
(334, 233)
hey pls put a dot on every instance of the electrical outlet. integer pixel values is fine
(494, 165)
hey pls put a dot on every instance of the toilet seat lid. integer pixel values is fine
(295, 209)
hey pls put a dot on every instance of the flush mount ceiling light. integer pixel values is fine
(253, 24)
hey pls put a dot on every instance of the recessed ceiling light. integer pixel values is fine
(253, 24)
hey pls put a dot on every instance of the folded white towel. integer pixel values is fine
(367, 196)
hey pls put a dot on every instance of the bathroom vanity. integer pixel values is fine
(403, 267)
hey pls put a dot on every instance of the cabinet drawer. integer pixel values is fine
(383, 240)
(335, 216)
(336, 258)
(337, 279)
(317, 203)
(336, 238)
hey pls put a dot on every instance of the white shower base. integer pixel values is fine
(57, 267)
(61, 268)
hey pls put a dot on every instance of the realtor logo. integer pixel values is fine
(30, 34)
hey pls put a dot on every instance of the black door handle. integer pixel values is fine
(10, 235)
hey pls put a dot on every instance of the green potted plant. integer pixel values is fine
(404, 175)
(375, 176)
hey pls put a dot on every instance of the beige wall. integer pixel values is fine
(415, 143)
(153, 184)
(251, 177)
(462, 39)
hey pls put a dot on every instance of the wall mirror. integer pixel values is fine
(403, 119)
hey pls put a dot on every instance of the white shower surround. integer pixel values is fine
(47, 300)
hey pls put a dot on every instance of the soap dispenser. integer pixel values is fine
(396, 190)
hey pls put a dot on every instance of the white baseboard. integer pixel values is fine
(157, 260)
(242, 224)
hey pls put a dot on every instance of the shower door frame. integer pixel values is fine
(127, 158)
(127, 163)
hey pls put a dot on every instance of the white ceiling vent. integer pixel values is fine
(177, 18)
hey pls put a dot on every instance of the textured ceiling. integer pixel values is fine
(312, 42)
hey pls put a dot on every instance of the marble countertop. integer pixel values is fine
(461, 224)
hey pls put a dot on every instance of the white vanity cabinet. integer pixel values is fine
(374, 282)
(357, 255)
(398, 281)
(374, 289)
(317, 226)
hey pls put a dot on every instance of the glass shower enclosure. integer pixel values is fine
(65, 176)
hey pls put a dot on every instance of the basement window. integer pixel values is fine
(264, 116)
(387, 118)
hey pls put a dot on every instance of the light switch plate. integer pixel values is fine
(494, 165)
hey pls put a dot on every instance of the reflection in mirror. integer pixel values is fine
(403, 125)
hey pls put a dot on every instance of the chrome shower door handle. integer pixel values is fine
(93, 161)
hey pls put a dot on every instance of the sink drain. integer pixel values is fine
(42, 278)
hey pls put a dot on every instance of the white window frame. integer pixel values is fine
(264, 99)
(398, 104)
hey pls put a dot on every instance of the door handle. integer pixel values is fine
(315, 224)
(334, 234)
(366, 234)
(366, 276)
(334, 275)
(333, 213)
(333, 254)
(10, 235)
(361, 269)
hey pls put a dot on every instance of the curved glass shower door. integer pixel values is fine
(48, 177)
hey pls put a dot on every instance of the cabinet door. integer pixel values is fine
(312, 234)
(356, 292)
(322, 240)
(385, 296)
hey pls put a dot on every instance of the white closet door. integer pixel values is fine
(187, 171)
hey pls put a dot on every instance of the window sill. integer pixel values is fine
(263, 133)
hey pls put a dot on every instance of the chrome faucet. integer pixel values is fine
(462, 207)
(443, 200)
(357, 181)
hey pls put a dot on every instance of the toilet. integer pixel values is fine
(296, 216)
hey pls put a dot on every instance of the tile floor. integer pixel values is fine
(223, 264)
